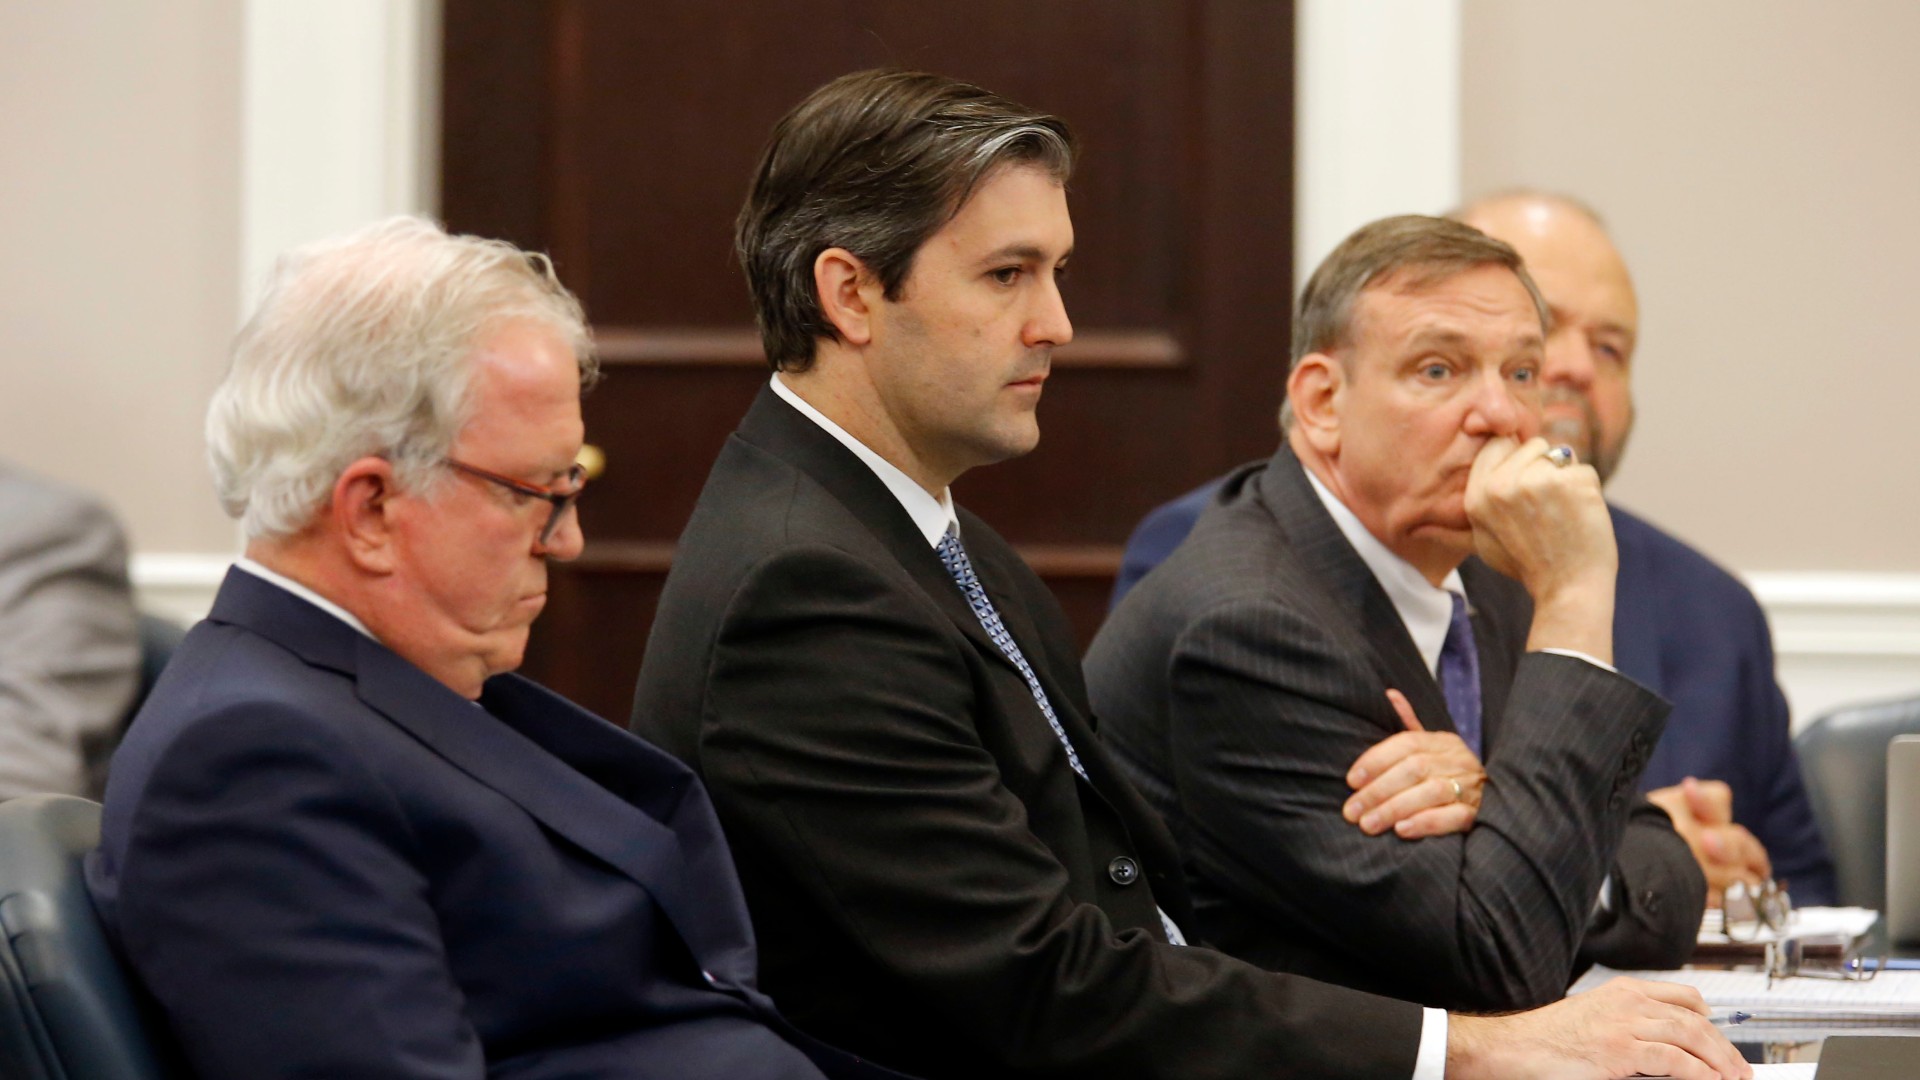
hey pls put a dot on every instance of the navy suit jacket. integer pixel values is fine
(323, 862)
(1691, 631)
(1685, 628)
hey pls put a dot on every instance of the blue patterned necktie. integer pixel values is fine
(1460, 675)
(954, 557)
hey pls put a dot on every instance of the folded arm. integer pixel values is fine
(1269, 712)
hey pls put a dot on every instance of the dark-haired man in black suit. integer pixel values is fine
(946, 867)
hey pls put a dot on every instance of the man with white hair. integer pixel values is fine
(340, 840)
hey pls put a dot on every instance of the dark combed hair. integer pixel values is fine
(874, 162)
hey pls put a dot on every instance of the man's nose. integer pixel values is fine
(1497, 408)
(1568, 361)
(1048, 323)
(567, 540)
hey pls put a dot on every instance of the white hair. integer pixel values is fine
(361, 347)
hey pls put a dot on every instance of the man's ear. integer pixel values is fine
(362, 510)
(1316, 387)
(847, 294)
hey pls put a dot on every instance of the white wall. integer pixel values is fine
(1755, 160)
(158, 156)
(119, 229)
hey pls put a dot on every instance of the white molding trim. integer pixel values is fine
(1842, 638)
(1378, 117)
(178, 586)
(339, 114)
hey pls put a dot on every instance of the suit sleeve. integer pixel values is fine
(69, 649)
(1267, 713)
(273, 905)
(839, 731)
(1653, 918)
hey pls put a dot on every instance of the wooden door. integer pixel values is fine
(619, 137)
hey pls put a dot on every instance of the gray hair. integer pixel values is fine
(360, 347)
(1429, 249)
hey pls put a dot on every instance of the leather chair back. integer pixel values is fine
(68, 1009)
(1843, 757)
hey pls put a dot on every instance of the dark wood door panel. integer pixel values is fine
(619, 137)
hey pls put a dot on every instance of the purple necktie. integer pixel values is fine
(1460, 675)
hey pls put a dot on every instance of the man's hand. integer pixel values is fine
(1417, 783)
(1546, 526)
(1702, 813)
(1627, 1027)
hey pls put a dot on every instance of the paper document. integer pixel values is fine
(1795, 1070)
(1891, 996)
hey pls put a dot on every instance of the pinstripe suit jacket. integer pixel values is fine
(1239, 682)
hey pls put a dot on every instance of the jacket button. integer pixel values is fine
(1650, 900)
(1123, 871)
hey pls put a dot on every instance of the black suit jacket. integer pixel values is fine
(322, 862)
(932, 885)
(1240, 681)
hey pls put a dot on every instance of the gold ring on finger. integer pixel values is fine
(1458, 791)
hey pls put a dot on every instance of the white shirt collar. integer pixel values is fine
(304, 593)
(1426, 611)
(933, 516)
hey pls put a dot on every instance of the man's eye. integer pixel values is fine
(1526, 376)
(1435, 371)
(1007, 275)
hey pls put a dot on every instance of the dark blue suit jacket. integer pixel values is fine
(323, 862)
(1691, 632)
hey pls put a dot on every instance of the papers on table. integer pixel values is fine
(1890, 998)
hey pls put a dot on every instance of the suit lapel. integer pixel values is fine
(1328, 558)
(662, 836)
(779, 428)
(496, 751)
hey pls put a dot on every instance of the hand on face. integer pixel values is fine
(1547, 527)
(1626, 1028)
(1408, 781)
(1702, 813)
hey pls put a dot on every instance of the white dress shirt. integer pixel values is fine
(304, 593)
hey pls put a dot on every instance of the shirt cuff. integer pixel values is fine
(1578, 655)
(1431, 1062)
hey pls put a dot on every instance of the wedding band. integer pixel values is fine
(1456, 788)
(1561, 456)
